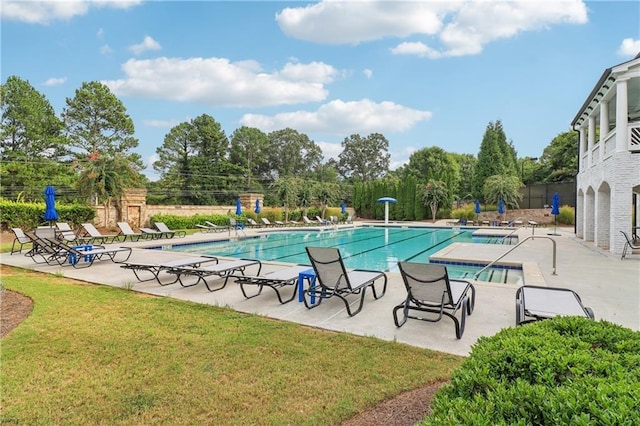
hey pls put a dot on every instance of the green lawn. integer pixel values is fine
(92, 354)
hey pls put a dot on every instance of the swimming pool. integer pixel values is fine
(375, 248)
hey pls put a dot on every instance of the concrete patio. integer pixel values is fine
(610, 286)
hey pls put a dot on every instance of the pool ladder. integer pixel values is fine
(531, 237)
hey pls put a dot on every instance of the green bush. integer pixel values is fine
(466, 212)
(30, 215)
(567, 370)
(189, 222)
(567, 215)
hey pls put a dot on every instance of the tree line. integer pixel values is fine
(88, 152)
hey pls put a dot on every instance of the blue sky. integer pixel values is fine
(422, 73)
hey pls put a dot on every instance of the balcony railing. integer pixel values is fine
(634, 137)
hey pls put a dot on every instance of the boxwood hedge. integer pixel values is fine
(567, 370)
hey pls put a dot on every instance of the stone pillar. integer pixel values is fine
(582, 142)
(134, 207)
(622, 121)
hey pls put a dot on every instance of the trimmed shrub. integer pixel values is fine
(30, 215)
(466, 212)
(561, 371)
(189, 222)
(567, 215)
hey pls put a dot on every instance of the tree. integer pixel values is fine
(434, 194)
(192, 159)
(175, 161)
(434, 163)
(96, 121)
(496, 157)
(29, 127)
(106, 178)
(249, 147)
(287, 190)
(505, 188)
(466, 165)
(32, 147)
(559, 159)
(364, 159)
(292, 153)
(326, 193)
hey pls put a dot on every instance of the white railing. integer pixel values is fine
(595, 154)
(609, 144)
(634, 136)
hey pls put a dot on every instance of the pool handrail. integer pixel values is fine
(531, 237)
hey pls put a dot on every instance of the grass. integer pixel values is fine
(92, 354)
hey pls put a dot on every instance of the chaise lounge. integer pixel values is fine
(334, 280)
(275, 280)
(430, 291)
(156, 268)
(535, 303)
(221, 270)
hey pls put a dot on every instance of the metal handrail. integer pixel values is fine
(508, 235)
(531, 237)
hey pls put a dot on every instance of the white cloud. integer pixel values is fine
(367, 73)
(55, 81)
(416, 48)
(147, 44)
(451, 28)
(44, 12)
(341, 22)
(330, 150)
(100, 34)
(161, 123)
(629, 47)
(343, 118)
(105, 49)
(400, 158)
(219, 82)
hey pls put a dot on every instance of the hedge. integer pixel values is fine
(30, 215)
(566, 370)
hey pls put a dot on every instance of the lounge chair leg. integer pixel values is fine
(395, 314)
(346, 302)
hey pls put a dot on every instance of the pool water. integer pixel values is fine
(374, 248)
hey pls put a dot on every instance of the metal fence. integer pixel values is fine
(539, 196)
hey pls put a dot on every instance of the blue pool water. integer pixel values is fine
(373, 248)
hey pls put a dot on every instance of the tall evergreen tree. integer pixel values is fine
(32, 147)
(496, 157)
(96, 121)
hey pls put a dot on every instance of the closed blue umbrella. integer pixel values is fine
(343, 207)
(555, 204)
(477, 206)
(257, 209)
(50, 212)
(238, 207)
(555, 211)
(500, 206)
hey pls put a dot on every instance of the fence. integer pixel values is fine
(539, 196)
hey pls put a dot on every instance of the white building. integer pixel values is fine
(608, 181)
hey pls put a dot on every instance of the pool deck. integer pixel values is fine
(607, 284)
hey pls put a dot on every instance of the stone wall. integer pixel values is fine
(146, 211)
(541, 216)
